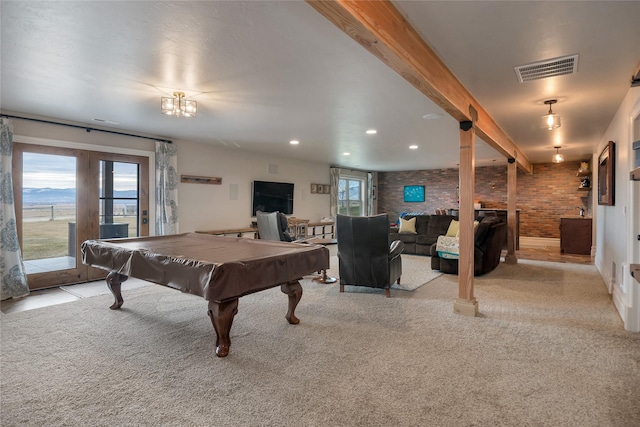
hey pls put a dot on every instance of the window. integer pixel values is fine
(351, 196)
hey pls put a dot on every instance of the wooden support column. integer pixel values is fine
(466, 303)
(512, 173)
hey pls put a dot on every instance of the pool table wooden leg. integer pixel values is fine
(114, 282)
(221, 315)
(294, 290)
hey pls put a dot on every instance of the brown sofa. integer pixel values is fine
(488, 238)
(428, 228)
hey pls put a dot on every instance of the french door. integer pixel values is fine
(65, 196)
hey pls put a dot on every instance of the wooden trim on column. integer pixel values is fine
(466, 303)
(512, 173)
(380, 28)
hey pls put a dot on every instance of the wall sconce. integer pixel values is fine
(550, 121)
(557, 158)
(178, 106)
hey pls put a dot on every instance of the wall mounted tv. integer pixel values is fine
(271, 197)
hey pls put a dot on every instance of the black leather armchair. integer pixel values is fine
(365, 257)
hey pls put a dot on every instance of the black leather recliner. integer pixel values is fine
(365, 257)
(489, 237)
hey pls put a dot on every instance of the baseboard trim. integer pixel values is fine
(539, 242)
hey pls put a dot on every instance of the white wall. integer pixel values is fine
(209, 207)
(616, 226)
(201, 206)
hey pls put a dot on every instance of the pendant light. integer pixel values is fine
(557, 158)
(550, 121)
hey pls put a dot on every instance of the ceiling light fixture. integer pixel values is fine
(550, 121)
(413, 147)
(372, 132)
(557, 158)
(178, 106)
(294, 142)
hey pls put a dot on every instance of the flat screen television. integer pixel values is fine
(271, 197)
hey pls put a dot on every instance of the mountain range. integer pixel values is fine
(53, 196)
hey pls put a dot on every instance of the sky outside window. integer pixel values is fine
(53, 171)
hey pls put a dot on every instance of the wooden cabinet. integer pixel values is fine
(575, 236)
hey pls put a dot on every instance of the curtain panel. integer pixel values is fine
(12, 272)
(334, 177)
(166, 188)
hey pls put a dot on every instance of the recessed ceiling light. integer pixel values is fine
(372, 131)
(432, 116)
(294, 142)
(346, 154)
(413, 147)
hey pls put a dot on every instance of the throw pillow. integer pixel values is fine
(454, 228)
(407, 226)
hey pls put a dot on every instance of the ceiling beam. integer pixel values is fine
(380, 28)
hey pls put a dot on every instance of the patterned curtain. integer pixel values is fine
(334, 177)
(166, 188)
(12, 273)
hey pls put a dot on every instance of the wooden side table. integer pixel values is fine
(238, 232)
(298, 228)
(323, 226)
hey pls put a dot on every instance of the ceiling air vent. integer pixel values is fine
(549, 68)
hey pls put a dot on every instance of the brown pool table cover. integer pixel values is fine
(214, 267)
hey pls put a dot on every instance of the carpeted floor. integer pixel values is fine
(548, 350)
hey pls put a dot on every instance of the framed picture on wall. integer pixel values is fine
(606, 175)
(414, 193)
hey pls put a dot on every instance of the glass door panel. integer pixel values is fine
(119, 199)
(48, 212)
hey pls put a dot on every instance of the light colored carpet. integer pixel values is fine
(548, 350)
(99, 287)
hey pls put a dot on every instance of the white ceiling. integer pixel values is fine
(266, 72)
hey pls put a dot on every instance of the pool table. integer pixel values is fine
(219, 269)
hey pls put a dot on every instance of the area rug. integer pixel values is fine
(416, 272)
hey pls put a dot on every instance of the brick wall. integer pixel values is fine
(543, 197)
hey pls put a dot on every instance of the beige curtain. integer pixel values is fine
(166, 188)
(334, 176)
